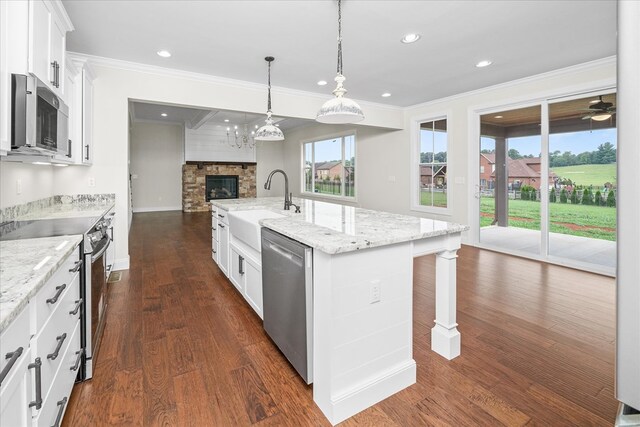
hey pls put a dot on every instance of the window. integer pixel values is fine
(432, 168)
(329, 166)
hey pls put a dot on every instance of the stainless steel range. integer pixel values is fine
(98, 235)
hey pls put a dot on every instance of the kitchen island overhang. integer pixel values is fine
(363, 295)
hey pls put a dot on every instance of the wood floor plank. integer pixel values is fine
(182, 347)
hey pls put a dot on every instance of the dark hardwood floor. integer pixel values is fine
(181, 346)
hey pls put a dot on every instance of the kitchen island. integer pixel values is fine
(362, 295)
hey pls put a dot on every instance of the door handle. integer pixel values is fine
(38, 367)
(53, 74)
(240, 265)
(87, 150)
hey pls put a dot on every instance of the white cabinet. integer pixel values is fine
(253, 285)
(215, 245)
(236, 269)
(48, 27)
(245, 272)
(223, 243)
(45, 339)
(87, 114)
(15, 390)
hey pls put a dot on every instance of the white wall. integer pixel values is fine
(379, 156)
(270, 156)
(156, 162)
(209, 143)
(118, 82)
(36, 183)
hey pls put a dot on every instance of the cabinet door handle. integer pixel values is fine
(76, 267)
(80, 353)
(220, 225)
(57, 74)
(69, 148)
(13, 358)
(62, 403)
(77, 307)
(59, 290)
(87, 149)
(240, 265)
(38, 367)
(53, 69)
(60, 339)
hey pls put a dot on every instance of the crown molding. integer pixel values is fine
(585, 66)
(102, 61)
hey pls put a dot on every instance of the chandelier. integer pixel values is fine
(240, 139)
(269, 132)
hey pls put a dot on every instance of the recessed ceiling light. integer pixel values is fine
(164, 53)
(386, 95)
(226, 120)
(497, 117)
(164, 114)
(484, 63)
(322, 82)
(410, 38)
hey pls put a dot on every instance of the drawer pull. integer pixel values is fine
(60, 339)
(59, 290)
(77, 307)
(213, 228)
(38, 366)
(80, 353)
(13, 356)
(76, 267)
(62, 403)
(220, 225)
(221, 216)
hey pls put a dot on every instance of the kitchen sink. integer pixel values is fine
(244, 225)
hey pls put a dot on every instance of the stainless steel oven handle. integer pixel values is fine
(101, 251)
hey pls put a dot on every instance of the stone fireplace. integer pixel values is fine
(194, 182)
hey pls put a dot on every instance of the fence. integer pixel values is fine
(335, 188)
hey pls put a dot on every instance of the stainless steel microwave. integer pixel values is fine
(39, 118)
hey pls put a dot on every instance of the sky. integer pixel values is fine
(576, 142)
(331, 149)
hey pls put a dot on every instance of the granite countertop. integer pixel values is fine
(66, 210)
(25, 266)
(334, 228)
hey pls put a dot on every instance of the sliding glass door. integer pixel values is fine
(547, 181)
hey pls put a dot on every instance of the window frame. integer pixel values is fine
(341, 135)
(415, 164)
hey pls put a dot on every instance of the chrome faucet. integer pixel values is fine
(287, 196)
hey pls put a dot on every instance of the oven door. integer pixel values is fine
(96, 293)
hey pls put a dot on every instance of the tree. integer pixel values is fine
(514, 154)
(598, 199)
(574, 197)
(552, 195)
(606, 154)
(487, 151)
(563, 196)
(611, 199)
(587, 197)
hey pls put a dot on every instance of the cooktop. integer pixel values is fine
(16, 230)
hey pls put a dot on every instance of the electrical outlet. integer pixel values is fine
(18, 186)
(375, 292)
(92, 182)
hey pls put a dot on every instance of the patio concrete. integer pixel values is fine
(601, 253)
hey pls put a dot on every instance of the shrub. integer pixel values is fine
(552, 195)
(587, 197)
(611, 199)
(574, 197)
(532, 194)
(598, 198)
(563, 196)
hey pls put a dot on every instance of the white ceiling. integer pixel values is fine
(231, 38)
(190, 117)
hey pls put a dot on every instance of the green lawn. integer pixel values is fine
(526, 214)
(439, 199)
(595, 175)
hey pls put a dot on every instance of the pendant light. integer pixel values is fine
(269, 132)
(340, 109)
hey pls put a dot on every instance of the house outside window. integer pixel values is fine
(432, 167)
(329, 166)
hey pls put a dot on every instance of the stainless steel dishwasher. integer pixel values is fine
(287, 292)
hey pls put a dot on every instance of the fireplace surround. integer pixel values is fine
(194, 182)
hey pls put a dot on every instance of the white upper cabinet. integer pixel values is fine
(48, 27)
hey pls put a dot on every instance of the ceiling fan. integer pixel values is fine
(600, 111)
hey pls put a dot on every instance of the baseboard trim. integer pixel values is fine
(158, 209)
(121, 264)
(368, 394)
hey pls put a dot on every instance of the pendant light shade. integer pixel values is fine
(340, 110)
(269, 132)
